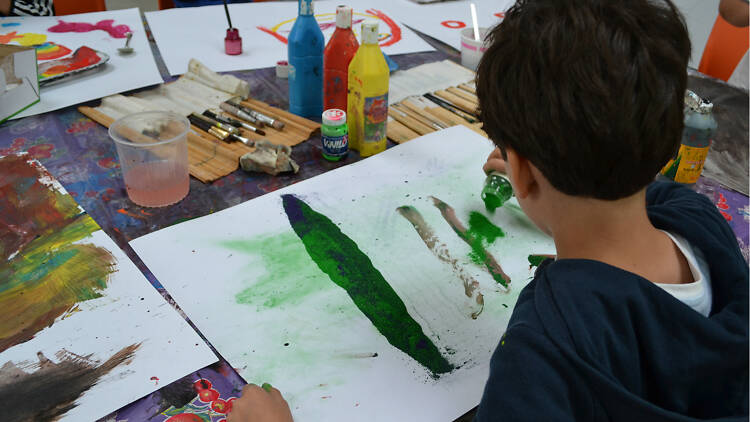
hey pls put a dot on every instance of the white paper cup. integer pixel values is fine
(471, 49)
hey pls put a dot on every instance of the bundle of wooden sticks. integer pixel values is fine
(418, 115)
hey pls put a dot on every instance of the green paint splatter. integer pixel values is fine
(289, 275)
(347, 266)
(479, 254)
(670, 170)
(536, 260)
(481, 233)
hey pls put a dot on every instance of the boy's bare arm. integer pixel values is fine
(5, 7)
(735, 12)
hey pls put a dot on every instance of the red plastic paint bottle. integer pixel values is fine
(336, 57)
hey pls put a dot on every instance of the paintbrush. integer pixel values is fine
(225, 127)
(226, 10)
(233, 122)
(270, 121)
(233, 41)
(225, 118)
(237, 112)
(221, 134)
(420, 116)
(450, 107)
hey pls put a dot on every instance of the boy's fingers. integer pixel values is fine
(494, 164)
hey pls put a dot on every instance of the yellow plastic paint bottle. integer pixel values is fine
(367, 99)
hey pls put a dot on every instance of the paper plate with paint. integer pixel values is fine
(84, 59)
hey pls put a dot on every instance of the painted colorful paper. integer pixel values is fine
(445, 21)
(82, 330)
(264, 28)
(58, 37)
(82, 60)
(365, 292)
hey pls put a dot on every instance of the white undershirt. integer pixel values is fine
(697, 294)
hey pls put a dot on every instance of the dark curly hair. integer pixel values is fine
(589, 91)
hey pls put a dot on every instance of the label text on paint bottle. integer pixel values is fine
(687, 167)
(376, 114)
(335, 145)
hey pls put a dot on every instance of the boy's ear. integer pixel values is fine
(521, 174)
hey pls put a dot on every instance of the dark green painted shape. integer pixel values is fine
(341, 259)
(536, 260)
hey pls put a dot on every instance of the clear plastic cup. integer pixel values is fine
(152, 147)
(471, 49)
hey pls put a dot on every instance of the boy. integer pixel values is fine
(643, 316)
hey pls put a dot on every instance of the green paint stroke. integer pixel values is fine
(482, 234)
(536, 260)
(288, 276)
(476, 239)
(338, 256)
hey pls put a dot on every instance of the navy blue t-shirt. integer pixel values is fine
(588, 341)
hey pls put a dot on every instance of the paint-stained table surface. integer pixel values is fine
(79, 153)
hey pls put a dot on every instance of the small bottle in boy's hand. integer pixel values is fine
(497, 190)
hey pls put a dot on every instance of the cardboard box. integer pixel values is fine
(19, 81)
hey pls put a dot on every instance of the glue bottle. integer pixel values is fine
(306, 63)
(336, 58)
(697, 135)
(497, 191)
(368, 94)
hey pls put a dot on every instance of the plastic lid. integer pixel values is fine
(370, 32)
(343, 17)
(696, 103)
(334, 117)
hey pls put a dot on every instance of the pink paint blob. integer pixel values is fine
(117, 31)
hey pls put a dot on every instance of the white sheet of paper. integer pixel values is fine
(445, 21)
(121, 73)
(184, 33)
(278, 318)
(129, 311)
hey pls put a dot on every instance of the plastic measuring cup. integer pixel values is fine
(471, 49)
(152, 147)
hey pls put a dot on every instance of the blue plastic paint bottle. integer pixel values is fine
(306, 45)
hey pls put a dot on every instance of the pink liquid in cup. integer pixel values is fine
(152, 151)
(156, 184)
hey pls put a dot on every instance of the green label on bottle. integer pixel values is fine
(376, 114)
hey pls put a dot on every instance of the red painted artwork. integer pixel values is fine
(327, 23)
(116, 31)
(83, 57)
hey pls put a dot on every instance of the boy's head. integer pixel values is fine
(588, 91)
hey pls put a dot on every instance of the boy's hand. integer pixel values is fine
(257, 404)
(494, 162)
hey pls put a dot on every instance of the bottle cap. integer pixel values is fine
(334, 117)
(306, 7)
(343, 17)
(282, 69)
(370, 32)
(699, 105)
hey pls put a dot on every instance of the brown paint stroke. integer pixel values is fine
(493, 267)
(440, 250)
(45, 391)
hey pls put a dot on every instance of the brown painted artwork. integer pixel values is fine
(45, 390)
(44, 268)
